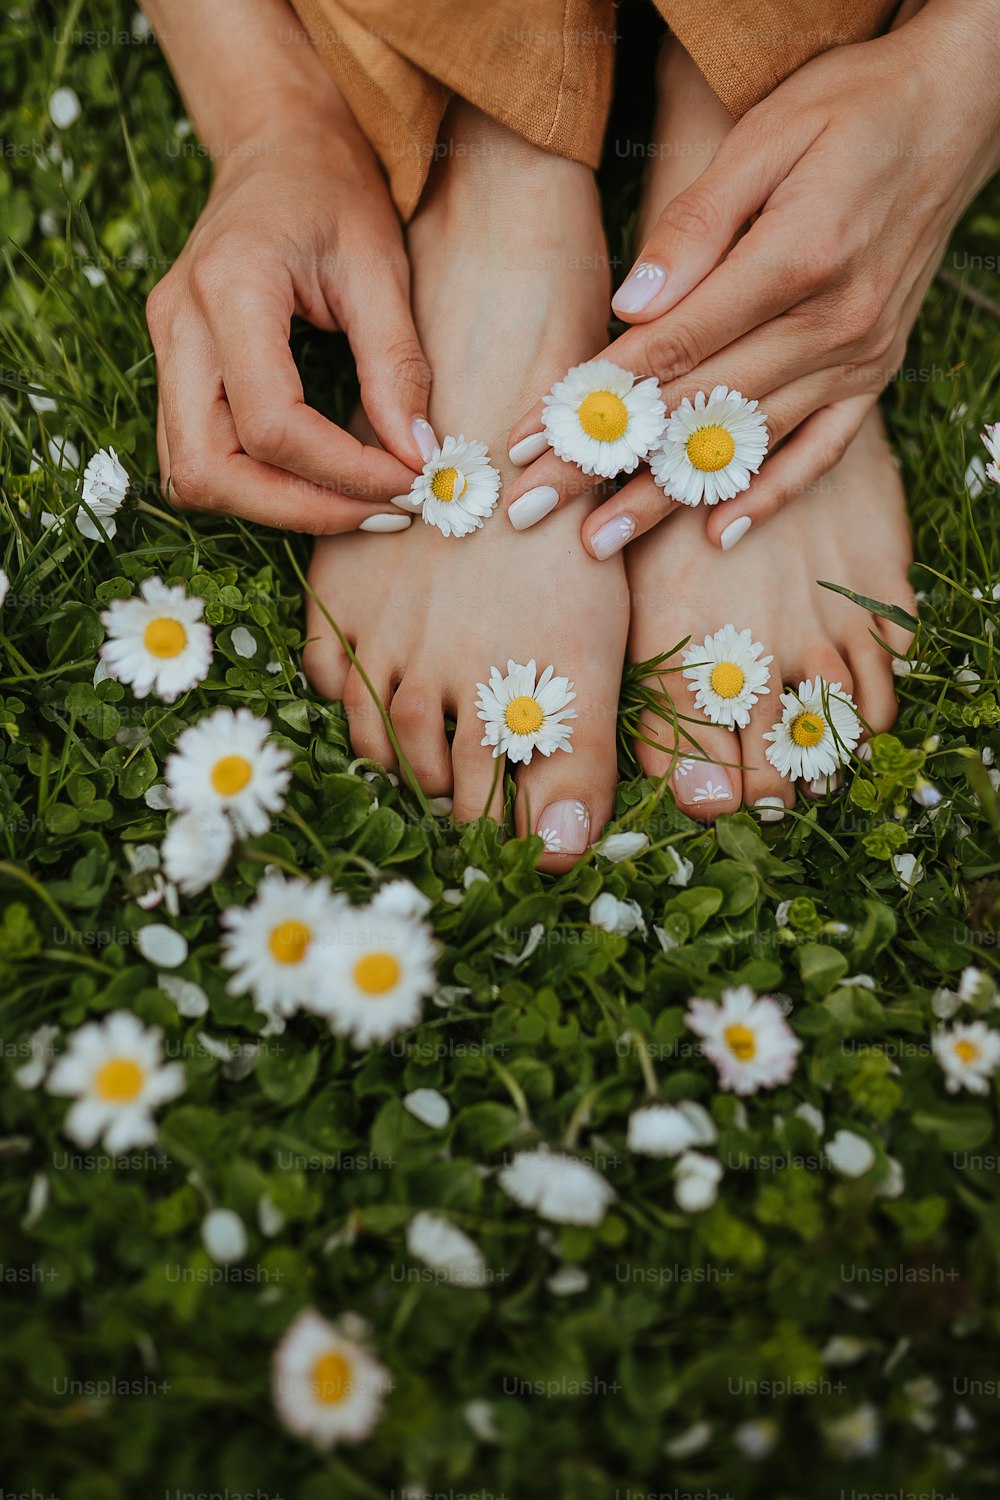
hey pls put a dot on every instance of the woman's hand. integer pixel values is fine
(857, 168)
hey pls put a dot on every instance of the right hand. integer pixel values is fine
(300, 223)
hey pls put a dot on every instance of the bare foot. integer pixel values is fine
(511, 287)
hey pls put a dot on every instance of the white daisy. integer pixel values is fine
(278, 946)
(458, 487)
(747, 1038)
(727, 675)
(377, 971)
(850, 1154)
(523, 714)
(969, 1055)
(195, 849)
(442, 1246)
(712, 791)
(158, 642)
(558, 1187)
(115, 1071)
(225, 764)
(4, 587)
(669, 1129)
(816, 733)
(991, 437)
(105, 485)
(602, 418)
(710, 449)
(326, 1386)
(696, 1181)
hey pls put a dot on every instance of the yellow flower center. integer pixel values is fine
(523, 715)
(603, 416)
(120, 1080)
(710, 448)
(289, 942)
(164, 638)
(331, 1378)
(376, 973)
(966, 1052)
(444, 482)
(808, 730)
(231, 774)
(741, 1042)
(727, 680)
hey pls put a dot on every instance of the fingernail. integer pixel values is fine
(613, 535)
(532, 507)
(564, 827)
(423, 436)
(696, 781)
(772, 809)
(822, 786)
(385, 523)
(639, 287)
(529, 448)
(734, 531)
(408, 501)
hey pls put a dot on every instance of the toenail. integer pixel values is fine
(440, 806)
(529, 448)
(423, 436)
(386, 523)
(564, 827)
(864, 751)
(772, 809)
(822, 786)
(640, 286)
(734, 531)
(532, 506)
(697, 782)
(612, 536)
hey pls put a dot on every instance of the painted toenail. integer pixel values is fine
(564, 827)
(529, 448)
(612, 536)
(533, 506)
(734, 531)
(386, 523)
(695, 781)
(864, 751)
(440, 806)
(822, 786)
(772, 809)
(423, 436)
(640, 286)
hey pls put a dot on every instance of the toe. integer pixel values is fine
(417, 715)
(700, 759)
(763, 788)
(365, 707)
(567, 797)
(874, 689)
(324, 659)
(477, 775)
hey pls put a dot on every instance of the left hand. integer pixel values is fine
(857, 168)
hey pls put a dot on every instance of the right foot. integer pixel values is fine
(510, 288)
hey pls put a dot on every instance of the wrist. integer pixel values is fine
(954, 46)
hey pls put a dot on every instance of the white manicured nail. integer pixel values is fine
(612, 536)
(529, 448)
(423, 436)
(408, 502)
(822, 786)
(772, 809)
(385, 523)
(532, 507)
(734, 531)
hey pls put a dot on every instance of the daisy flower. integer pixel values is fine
(602, 418)
(696, 1181)
(523, 714)
(727, 675)
(114, 1070)
(377, 971)
(442, 1246)
(748, 1039)
(458, 487)
(710, 449)
(105, 485)
(991, 437)
(816, 733)
(969, 1054)
(278, 946)
(559, 1187)
(224, 764)
(195, 849)
(669, 1129)
(158, 642)
(326, 1386)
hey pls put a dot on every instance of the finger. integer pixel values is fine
(249, 321)
(543, 487)
(640, 505)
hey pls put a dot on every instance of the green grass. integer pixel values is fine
(109, 1281)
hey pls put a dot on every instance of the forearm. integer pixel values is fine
(958, 41)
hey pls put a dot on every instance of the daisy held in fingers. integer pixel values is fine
(114, 1069)
(327, 1386)
(224, 763)
(816, 733)
(158, 642)
(710, 448)
(524, 713)
(458, 487)
(727, 675)
(602, 418)
(747, 1038)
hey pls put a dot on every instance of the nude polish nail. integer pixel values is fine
(646, 278)
(613, 535)
(529, 448)
(698, 781)
(423, 436)
(734, 531)
(564, 827)
(533, 506)
(385, 523)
